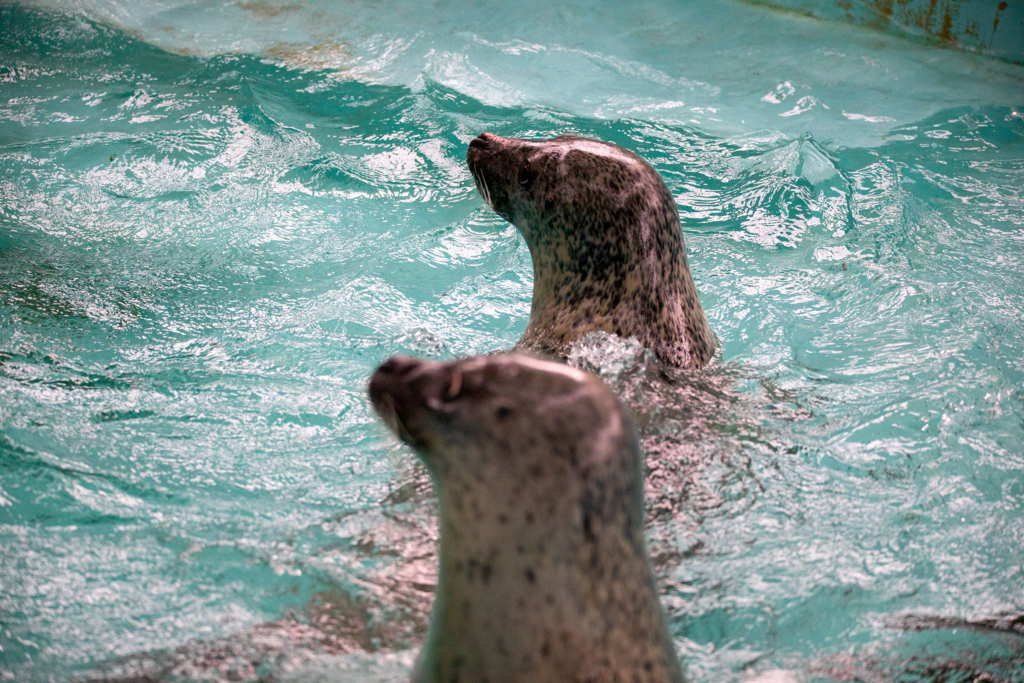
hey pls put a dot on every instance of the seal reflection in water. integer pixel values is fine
(544, 574)
(605, 240)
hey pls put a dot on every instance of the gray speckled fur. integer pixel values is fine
(606, 244)
(544, 569)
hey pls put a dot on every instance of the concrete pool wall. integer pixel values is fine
(990, 27)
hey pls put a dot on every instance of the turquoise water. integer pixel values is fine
(211, 235)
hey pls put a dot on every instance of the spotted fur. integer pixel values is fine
(544, 572)
(606, 244)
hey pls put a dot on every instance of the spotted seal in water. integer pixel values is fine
(604, 236)
(544, 571)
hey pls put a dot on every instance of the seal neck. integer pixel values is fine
(545, 602)
(636, 284)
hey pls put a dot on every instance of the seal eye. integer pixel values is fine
(525, 177)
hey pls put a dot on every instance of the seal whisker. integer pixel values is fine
(486, 191)
(487, 187)
(479, 184)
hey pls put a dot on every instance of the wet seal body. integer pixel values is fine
(544, 573)
(607, 248)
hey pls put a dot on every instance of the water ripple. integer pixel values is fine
(204, 255)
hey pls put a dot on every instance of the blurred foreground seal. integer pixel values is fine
(544, 573)
(604, 236)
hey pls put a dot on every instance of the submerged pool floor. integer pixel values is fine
(217, 219)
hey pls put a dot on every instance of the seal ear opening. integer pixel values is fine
(526, 176)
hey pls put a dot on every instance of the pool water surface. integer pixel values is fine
(217, 218)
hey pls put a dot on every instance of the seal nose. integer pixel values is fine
(406, 391)
(391, 380)
(485, 141)
(398, 366)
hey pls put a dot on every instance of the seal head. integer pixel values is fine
(544, 573)
(604, 236)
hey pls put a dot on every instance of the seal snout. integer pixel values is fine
(393, 395)
(399, 377)
(487, 155)
(481, 147)
(404, 391)
(398, 366)
(486, 141)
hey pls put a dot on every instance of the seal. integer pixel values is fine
(544, 572)
(605, 240)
